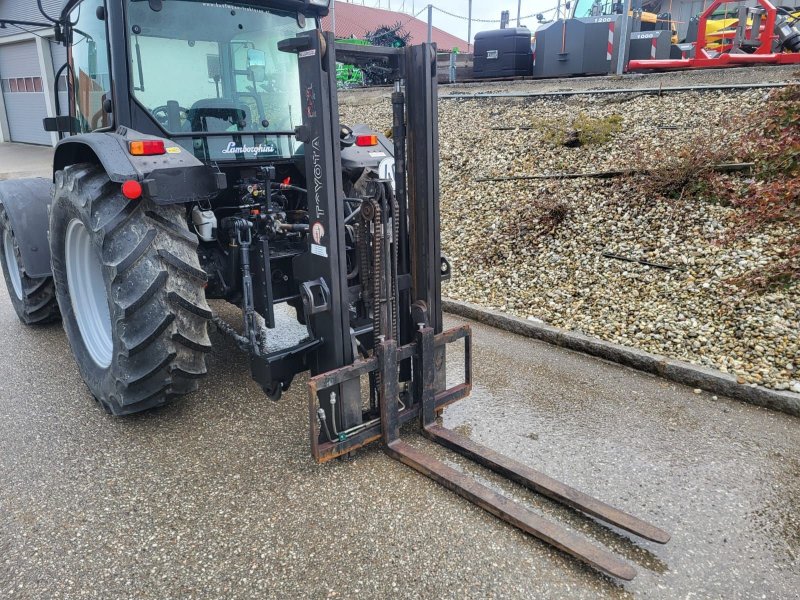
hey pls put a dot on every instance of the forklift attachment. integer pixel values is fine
(763, 36)
(509, 511)
(398, 346)
(542, 484)
(427, 404)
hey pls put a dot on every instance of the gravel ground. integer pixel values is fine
(504, 257)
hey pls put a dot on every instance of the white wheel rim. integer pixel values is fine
(87, 291)
(11, 263)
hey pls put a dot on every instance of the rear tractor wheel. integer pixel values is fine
(131, 292)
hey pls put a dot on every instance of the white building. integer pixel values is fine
(29, 60)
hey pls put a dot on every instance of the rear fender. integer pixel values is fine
(27, 203)
(172, 178)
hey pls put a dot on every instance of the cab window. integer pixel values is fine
(89, 60)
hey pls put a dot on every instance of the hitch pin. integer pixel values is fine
(333, 413)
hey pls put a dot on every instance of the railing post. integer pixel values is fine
(624, 39)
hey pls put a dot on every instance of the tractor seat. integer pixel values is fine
(216, 114)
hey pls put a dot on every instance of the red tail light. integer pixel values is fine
(147, 148)
(366, 140)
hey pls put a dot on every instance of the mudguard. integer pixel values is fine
(26, 202)
(172, 178)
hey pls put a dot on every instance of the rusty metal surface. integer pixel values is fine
(543, 484)
(326, 451)
(424, 394)
(461, 390)
(509, 511)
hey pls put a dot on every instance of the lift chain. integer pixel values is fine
(364, 269)
(395, 257)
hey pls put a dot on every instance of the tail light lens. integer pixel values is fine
(366, 140)
(147, 148)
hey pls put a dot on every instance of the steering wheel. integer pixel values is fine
(161, 114)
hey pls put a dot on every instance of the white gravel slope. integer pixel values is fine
(503, 257)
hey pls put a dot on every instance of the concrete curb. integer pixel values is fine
(674, 370)
(24, 175)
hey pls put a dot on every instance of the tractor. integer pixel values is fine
(201, 157)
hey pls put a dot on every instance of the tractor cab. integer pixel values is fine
(215, 70)
(207, 75)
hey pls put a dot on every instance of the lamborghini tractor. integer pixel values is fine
(201, 157)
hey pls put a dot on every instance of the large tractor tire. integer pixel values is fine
(131, 292)
(33, 298)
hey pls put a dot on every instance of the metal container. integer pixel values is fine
(503, 53)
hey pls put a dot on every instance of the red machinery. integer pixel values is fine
(753, 43)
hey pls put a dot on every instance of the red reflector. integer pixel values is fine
(132, 189)
(367, 140)
(287, 181)
(147, 148)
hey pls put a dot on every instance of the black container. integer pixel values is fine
(503, 53)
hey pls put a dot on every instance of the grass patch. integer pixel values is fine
(581, 131)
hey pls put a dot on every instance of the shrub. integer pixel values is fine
(773, 144)
(770, 138)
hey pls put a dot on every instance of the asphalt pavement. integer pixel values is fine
(216, 496)
(25, 160)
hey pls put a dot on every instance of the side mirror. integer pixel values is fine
(257, 65)
(61, 124)
(256, 58)
(214, 67)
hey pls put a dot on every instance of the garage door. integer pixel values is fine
(21, 84)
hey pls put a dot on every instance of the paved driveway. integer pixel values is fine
(25, 160)
(216, 496)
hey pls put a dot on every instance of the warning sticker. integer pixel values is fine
(318, 250)
(317, 232)
(307, 53)
(173, 150)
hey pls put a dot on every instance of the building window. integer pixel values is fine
(19, 85)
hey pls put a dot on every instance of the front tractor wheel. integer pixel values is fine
(131, 292)
(33, 298)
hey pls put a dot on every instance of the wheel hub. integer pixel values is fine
(11, 263)
(87, 291)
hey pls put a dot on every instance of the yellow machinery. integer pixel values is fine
(644, 10)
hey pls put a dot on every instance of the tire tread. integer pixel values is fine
(159, 313)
